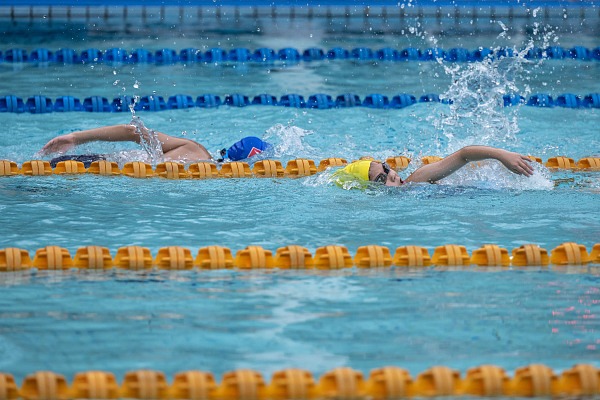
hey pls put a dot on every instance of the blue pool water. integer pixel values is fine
(269, 320)
(219, 321)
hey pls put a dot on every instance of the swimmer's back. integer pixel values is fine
(86, 159)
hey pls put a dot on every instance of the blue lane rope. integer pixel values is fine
(41, 104)
(287, 55)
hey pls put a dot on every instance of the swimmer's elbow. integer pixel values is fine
(423, 175)
(464, 154)
(187, 150)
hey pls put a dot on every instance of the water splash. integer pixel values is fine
(476, 95)
(476, 110)
(148, 140)
(493, 175)
(134, 100)
(289, 141)
(324, 178)
(327, 178)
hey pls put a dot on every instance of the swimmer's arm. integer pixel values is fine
(174, 148)
(115, 133)
(431, 173)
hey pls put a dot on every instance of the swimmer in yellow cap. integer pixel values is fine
(364, 171)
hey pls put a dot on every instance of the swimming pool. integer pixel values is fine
(121, 320)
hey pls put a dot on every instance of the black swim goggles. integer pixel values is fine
(223, 154)
(382, 177)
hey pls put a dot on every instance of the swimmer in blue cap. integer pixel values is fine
(363, 171)
(173, 148)
(247, 147)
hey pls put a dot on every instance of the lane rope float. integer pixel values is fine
(296, 168)
(40, 104)
(265, 55)
(330, 257)
(534, 380)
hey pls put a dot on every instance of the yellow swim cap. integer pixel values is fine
(358, 169)
(357, 172)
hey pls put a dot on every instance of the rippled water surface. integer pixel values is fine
(226, 320)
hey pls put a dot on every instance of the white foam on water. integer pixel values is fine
(491, 174)
(288, 141)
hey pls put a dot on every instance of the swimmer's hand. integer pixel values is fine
(59, 144)
(516, 163)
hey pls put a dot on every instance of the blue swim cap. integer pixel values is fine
(247, 147)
